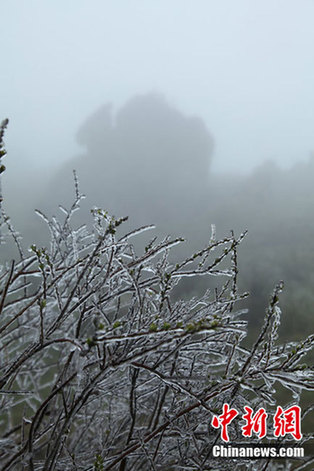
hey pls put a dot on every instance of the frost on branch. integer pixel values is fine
(102, 368)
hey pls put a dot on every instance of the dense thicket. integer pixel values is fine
(102, 368)
(151, 162)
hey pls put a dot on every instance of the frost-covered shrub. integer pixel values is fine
(102, 368)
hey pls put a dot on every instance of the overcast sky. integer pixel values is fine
(246, 67)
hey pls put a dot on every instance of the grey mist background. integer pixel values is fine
(175, 112)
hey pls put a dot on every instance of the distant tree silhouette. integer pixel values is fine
(148, 161)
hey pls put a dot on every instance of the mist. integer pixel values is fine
(175, 113)
(246, 68)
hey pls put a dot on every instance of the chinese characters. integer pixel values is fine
(284, 422)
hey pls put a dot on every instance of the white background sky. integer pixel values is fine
(245, 66)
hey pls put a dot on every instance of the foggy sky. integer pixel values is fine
(246, 67)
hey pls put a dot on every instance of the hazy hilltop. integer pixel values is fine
(276, 206)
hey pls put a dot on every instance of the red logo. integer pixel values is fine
(284, 422)
(254, 423)
(288, 421)
(224, 420)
